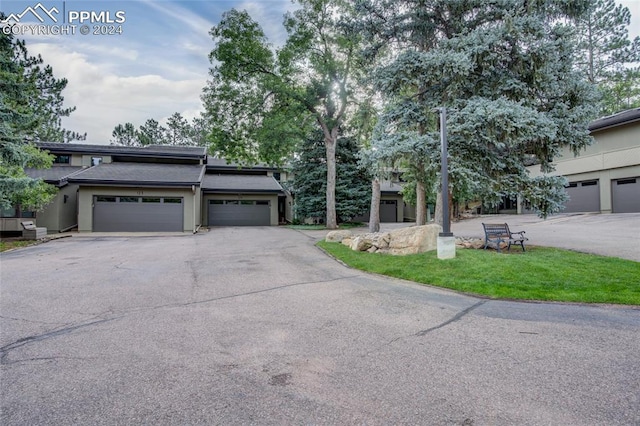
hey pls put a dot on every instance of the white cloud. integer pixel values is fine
(104, 99)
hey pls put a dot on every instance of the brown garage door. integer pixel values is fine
(239, 213)
(137, 214)
(584, 196)
(625, 195)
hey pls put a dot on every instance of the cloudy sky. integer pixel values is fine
(156, 64)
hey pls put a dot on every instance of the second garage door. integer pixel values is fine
(626, 195)
(239, 213)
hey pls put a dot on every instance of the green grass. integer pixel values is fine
(13, 244)
(541, 273)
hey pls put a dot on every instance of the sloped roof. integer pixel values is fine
(240, 183)
(214, 163)
(143, 174)
(388, 186)
(619, 119)
(55, 174)
(171, 151)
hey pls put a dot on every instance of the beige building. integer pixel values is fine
(605, 177)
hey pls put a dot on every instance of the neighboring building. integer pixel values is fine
(605, 177)
(392, 205)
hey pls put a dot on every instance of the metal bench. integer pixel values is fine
(31, 232)
(498, 233)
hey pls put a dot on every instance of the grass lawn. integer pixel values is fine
(12, 244)
(541, 273)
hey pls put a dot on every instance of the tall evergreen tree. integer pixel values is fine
(607, 56)
(125, 135)
(151, 133)
(29, 110)
(504, 71)
(178, 131)
(310, 172)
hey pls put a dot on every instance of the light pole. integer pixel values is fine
(446, 240)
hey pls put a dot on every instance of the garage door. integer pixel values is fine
(583, 197)
(625, 195)
(388, 210)
(137, 214)
(239, 213)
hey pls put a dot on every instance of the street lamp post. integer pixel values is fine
(446, 240)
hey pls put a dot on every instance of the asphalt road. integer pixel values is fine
(258, 326)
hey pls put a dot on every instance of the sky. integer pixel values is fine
(154, 62)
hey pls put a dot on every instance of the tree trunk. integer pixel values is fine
(330, 144)
(374, 215)
(421, 204)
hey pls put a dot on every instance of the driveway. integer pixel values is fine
(257, 326)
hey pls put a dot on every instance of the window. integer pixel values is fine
(150, 199)
(590, 183)
(10, 212)
(262, 203)
(173, 200)
(96, 160)
(276, 176)
(16, 211)
(104, 199)
(232, 202)
(216, 202)
(572, 185)
(625, 181)
(62, 159)
(247, 203)
(129, 199)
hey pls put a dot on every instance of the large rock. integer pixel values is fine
(416, 239)
(412, 240)
(338, 236)
(361, 243)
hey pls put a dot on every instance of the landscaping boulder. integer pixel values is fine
(469, 243)
(412, 240)
(338, 236)
(415, 239)
(361, 243)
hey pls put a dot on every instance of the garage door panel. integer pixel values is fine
(388, 210)
(122, 214)
(233, 213)
(625, 195)
(583, 197)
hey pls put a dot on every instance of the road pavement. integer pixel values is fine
(258, 326)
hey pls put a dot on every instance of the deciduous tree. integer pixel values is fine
(261, 100)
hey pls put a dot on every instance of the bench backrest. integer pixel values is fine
(28, 225)
(496, 229)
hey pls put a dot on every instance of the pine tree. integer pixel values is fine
(607, 57)
(310, 180)
(505, 73)
(21, 120)
(125, 135)
(151, 133)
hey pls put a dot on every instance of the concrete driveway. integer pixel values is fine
(257, 326)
